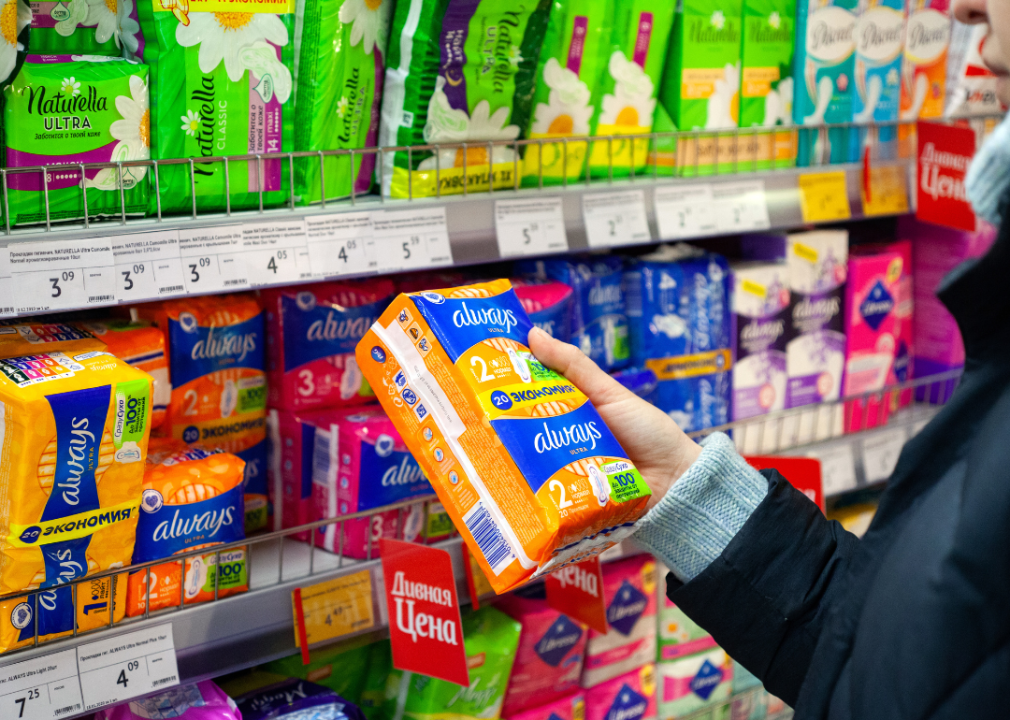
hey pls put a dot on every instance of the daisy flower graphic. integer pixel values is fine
(133, 133)
(775, 20)
(222, 35)
(70, 86)
(369, 20)
(191, 123)
(342, 107)
(567, 110)
(111, 19)
(718, 20)
(15, 16)
(632, 103)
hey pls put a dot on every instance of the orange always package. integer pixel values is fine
(531, 476)
(73, 437)
(192, 499)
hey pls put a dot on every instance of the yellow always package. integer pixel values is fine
(531, 476)
(73, 439)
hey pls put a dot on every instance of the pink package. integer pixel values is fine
(361, 463)
(629, 590)
(549, 305)
(548, 663)
(571, 707)
(311, 334)
(631, 696)
(203, 701)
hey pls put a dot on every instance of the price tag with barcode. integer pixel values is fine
(838, 468)
(740, 207)
(881, 451)
(410, 239)
(127, 666)
(62, 274)
(685, 211)
(276, 252)
(339, 244)
(531, 226)
(6, 285)
(616, 218)
(212, 259)
(43, 688)
(147, 265)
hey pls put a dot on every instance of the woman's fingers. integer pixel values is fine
(571, 362)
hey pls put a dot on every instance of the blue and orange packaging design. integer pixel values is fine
(219, 387)
(525, 466)
(73, 438)
(192, 499)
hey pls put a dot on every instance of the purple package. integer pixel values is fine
(203, 701)
(296, 697)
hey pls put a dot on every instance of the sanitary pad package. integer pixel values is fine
(312, 332)
(25, 339)
(522, 461)
(292, 439)
(551, 651)
(69, 110)
(679, 635)
(296, 699)
(880, 42)
(73, 438)
(220, 85)
(679, 313)
(691, 683)
(458, 71)
(342, 667)
(202, 701)
(84, 27)
(215, 348)
(631, 696)
(629, 591)
(549, 305)
(571, 707)
(924, 68)
(192, 499)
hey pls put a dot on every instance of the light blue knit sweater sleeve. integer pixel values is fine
(705, 508)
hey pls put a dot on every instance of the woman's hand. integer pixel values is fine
(660, 450)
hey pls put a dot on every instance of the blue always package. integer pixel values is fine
(296, 699)
(599, 317)
(680, 323)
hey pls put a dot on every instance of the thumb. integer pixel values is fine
(568, 360)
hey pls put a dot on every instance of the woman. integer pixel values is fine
(912, 621)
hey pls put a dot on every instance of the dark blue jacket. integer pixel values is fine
(912, 621)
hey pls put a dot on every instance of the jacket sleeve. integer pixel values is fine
(765, 599)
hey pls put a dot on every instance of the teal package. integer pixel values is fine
(825, 65)
(880, 42)
(221, 85)
(85, 27)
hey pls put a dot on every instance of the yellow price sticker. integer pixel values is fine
(334, 608)
(824, 197)
(888, 191)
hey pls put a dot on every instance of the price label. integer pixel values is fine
(533, 226)
(44, 688)
(838, 468)
(337, 607)
(614, 219)
(824, 197)
(276, 252)
(880, 453)
(340, 244)
(61, 274)
(740, 207)
(888, 191)
(147, 265)
(410, 239)
(212, 259)
(6, 285)
(685, 211)
(127, 666)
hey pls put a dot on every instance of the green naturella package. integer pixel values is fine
(572, 62)
(701, 88)
(67, 111)
(625, 100)
(221, 83)
(488, 634)
(458, 71)
(85, 27)
(340, 46)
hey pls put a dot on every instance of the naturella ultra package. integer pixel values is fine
(458, 71)
(221, 84)
(337, 93)
(68, 110)
(93, 27)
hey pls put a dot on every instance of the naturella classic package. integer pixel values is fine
(340, 47)
(522, 461)
(458, 71)
(221, 83)
(85, 27)
(61, 110)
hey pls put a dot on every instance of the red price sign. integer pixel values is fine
(577, 591)
(804, 474)
(424, 624)
(944, 154)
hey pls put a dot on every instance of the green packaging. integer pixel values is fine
(700, 89)
(766, 84)
(220, 86)
(625, 99)
(460, 71)
(572, 63)
(342, 668)
(337, 94)
(490, 637)
(85, 27)
(60, 111)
